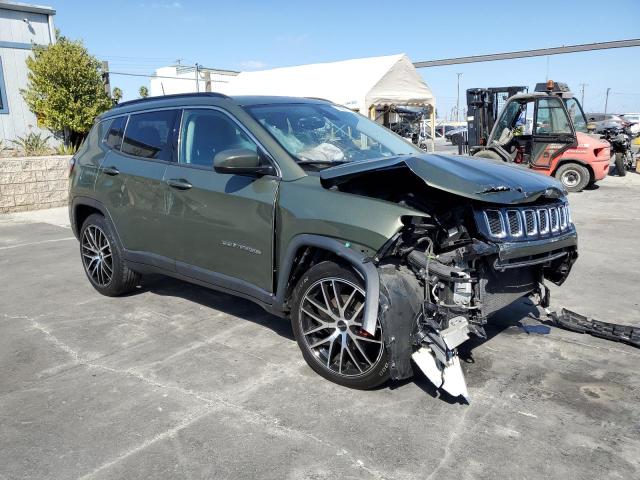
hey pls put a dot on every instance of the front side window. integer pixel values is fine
(576, 114)
(206, 133)
(113, 138)
(551, 117)
(149, 135)
(325, 134)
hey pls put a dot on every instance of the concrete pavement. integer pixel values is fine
(176, 381)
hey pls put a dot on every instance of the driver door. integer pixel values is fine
(553, 131)
(221, 224)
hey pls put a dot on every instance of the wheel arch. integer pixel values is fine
(308, 249)
(565, 161)
(82, 207)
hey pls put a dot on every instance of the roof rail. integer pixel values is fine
(170, 97)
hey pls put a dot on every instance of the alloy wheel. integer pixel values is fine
(331, 314)
(97, 256)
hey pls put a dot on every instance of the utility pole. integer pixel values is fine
(606, 101)
(105, 78)
(197, 78)
(458, 99)
(582, 85)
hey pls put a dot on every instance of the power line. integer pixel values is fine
(129, 74)
(530, 53)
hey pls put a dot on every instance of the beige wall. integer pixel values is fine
(32, 183)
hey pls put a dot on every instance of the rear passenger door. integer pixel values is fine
(131, 181)
(222, 223)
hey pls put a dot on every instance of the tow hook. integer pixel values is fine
(438, 358)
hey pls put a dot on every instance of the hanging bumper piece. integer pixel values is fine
(579, 323)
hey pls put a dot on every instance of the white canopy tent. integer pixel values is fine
(362, 84)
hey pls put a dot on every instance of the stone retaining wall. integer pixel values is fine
(32, 183)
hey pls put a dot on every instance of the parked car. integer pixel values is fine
(601, 122)
(442, 130)
(376, 252)
(455, 135)
(633, 120)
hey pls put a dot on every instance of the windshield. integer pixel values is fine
(325, 134)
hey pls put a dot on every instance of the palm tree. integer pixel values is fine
(116, 95)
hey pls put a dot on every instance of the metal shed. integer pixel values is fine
(21, 26)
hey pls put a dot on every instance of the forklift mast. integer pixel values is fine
(483, 107)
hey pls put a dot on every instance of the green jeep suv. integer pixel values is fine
(383, 257)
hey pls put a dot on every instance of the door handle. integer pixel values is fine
(113, 171)
(179, 183)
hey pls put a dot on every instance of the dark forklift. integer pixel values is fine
(545, 130)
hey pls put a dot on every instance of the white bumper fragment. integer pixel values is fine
(447, 376)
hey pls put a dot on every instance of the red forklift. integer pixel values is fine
(545, 130)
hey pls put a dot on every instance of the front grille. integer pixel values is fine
(495, 223)
(543, 221)
(515, 223)
(526, 223)
(530, 222)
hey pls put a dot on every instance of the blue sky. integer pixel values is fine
(139, 36)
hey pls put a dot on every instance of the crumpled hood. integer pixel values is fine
(476, 178)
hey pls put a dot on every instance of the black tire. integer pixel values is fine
(376, 372)
(122, 279)
(573, 176)
(622, 171)
(487, 154)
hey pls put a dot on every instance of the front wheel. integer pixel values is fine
(326, 315)
(620, 167)
(574, 177)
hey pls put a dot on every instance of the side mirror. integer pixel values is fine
(240, 161)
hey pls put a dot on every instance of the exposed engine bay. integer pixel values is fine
(456, 263)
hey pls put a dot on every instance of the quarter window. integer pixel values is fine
(113, 139)
(208, 132)
(149, 135)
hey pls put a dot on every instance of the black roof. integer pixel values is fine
(191, 99)
(252, 100)
(176, 96)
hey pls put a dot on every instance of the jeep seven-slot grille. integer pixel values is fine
(526, 223)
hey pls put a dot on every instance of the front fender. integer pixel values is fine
(357, 259)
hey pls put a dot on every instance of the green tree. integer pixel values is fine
(143, 92)
(65, 88)
(116, 95)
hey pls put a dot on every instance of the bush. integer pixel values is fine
(33, 144)
(66, 150)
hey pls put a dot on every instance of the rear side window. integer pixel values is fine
(113, 139)
(149, 135)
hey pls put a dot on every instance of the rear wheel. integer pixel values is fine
(487, 154)
(326, 315)
(102, 259)
(620, 167)
(573, 176)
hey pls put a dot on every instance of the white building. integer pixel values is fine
(21, 26)
(182, 79)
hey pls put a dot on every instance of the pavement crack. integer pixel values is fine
(171, 432)
(256, 417)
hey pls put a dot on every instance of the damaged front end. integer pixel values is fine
(466, 256)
